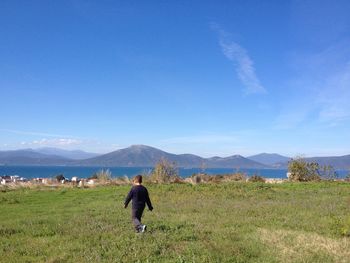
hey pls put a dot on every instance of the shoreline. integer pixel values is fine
(92, 183)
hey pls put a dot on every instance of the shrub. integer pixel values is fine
(256, 178)
(347, 178)
(164, 172)
(147, 175)
(103, 175)
(302, 171)
(200, 178)
(327, 172)
(94, 176)
(236, 177)
(60, 177)
(217, 178)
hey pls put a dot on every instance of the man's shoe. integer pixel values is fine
(143, 228)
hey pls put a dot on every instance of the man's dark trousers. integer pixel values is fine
(136, 215)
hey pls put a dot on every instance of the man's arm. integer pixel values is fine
(148, 201)
(128, 198)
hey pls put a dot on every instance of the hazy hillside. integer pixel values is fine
(146, 156)
(338, 162)
(235, 161)
(142, 155)
(73, 154)
(269, 158)
(30, 157)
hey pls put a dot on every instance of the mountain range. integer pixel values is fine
(142, 155)
(271, 159)
(146, 156)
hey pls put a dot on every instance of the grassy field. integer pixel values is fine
(228, 222)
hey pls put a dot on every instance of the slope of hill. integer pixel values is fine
(140, 155)
(30, 157)
(338, 162)
(269, 158)
(235, 161)
(70, 154)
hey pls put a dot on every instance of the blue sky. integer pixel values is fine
(203, 77)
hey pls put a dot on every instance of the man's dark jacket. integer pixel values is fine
(139, 196)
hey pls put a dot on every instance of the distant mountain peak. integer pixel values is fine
(138, 146)
(142, 147)
(236, 156)
(147, 156)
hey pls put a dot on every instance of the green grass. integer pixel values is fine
(228, 222)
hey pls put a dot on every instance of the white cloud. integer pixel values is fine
(244, 64)
(57, 142)
(335, 97)
(33, 133)
(201, 139)
(319, 94)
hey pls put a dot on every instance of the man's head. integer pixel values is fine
(138, 179)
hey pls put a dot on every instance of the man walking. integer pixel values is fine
(139, 196)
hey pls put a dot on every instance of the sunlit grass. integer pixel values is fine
(228, 222)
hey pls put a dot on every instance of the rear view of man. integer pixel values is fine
(139, 196)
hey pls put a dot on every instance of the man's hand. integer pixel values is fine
(150, 209)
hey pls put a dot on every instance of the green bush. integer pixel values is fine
(236, 177)
(302, 171)
(327, 172)
(164, 172)
(217, 178)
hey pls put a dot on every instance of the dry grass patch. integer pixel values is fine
(297, 246)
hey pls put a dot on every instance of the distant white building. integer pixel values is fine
(5, 179)
(16, 178)
(81, 183)
(91, 181)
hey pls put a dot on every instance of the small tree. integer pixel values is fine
(60, 177)
(164, 172)
(328, 172)
(302, 171)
